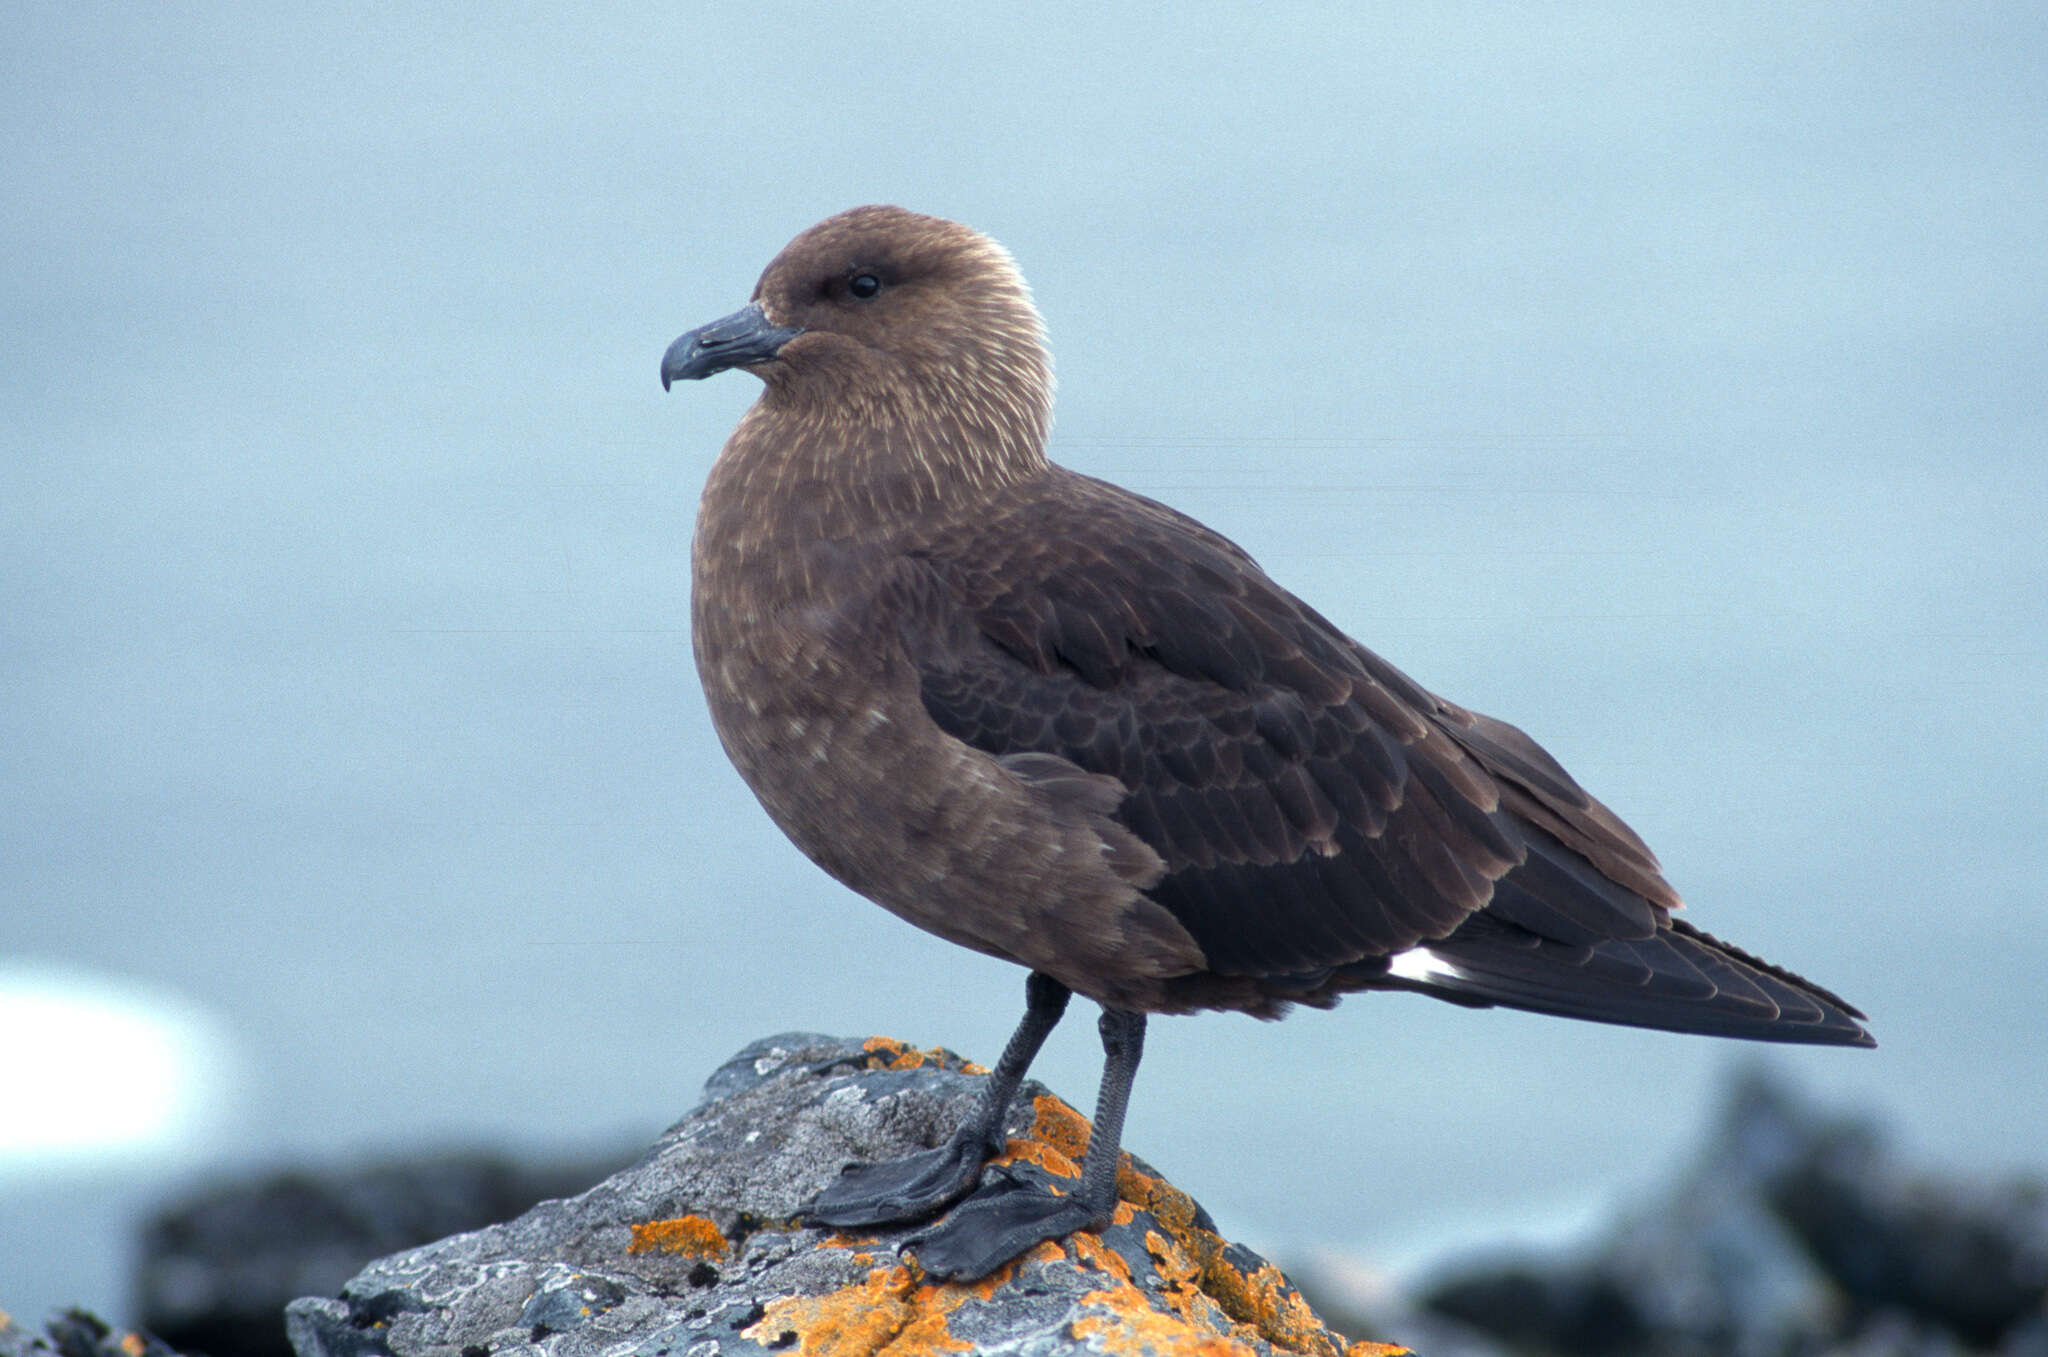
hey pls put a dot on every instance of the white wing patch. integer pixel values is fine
(1421, 964)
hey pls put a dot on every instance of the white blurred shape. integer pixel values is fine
(98, 1068)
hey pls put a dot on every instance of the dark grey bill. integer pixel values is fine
(734, 341)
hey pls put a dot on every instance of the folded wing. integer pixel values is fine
(1326, 823)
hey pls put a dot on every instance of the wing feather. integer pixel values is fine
(1319, 814)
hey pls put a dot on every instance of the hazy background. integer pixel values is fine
(1669, 384)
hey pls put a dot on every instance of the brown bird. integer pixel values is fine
(1062, 724)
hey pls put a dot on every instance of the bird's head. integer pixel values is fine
(883, 315)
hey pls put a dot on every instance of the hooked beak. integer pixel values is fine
(738, 340)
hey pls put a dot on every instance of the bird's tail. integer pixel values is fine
(1679, 980)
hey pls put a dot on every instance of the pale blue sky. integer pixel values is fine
(1670, 384)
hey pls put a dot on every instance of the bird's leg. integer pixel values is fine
(923, 1184)
(1007, 1217)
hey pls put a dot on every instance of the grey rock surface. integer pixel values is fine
(217, 1267)
(695, 1250)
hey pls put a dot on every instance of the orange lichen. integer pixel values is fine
(1181, 1300)
(932, 1328)
(1089, 1248)
(1059, 1126)
(857, 1240)
(1170, 1206)
(887, 1053)
(885, 1309)
(1141, 1332)
(1207, 1307)
(1264, 1300)
(134, 1344)
(691, 1235)
(1205, 1291)
(1039, 1153)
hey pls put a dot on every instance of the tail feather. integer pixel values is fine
(1679, 980)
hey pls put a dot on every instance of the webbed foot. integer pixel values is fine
(919, 1186)
(915, 1187)
(997, 1223)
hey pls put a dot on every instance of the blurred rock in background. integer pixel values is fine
(1797, 1232)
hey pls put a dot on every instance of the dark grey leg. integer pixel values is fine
(1005, 1218)
(923, 1184)
(1123, 1045)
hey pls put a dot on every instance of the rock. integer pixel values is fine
(1354, 1296)
(217, 1269)
(2028, 1338)
(1796, 1232)
(1552, 1310)
(695, 1250)
(78, 1333)
(1970, 1257)
(1711, 1267)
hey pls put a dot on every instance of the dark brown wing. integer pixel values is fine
(1326, 823)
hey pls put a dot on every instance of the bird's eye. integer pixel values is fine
(863, 286)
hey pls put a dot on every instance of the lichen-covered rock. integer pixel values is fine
(695, 1250)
